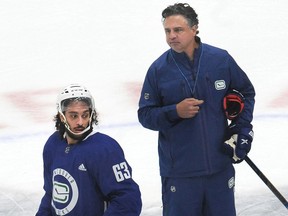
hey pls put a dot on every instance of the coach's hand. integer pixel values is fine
(189, 107)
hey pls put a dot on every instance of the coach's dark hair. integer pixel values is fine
(183, 9)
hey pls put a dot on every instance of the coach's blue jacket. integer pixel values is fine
(193, 147)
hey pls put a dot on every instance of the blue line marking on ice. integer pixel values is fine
(270, 116)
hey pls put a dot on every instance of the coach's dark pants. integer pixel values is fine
(211, 195)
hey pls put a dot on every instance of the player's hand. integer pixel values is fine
(189, 107)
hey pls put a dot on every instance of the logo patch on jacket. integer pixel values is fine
(146, 96)
(220, 84)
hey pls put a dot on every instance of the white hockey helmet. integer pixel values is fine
(74, 91)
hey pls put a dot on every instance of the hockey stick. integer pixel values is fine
(267, 182)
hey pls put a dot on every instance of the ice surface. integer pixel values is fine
(108, 46)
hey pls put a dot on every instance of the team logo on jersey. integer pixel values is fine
(61, 194)
(65, 193)
(220, 84)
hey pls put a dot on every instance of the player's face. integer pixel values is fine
(179, 35)
(77, 115)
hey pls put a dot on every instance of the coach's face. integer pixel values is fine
(179, 35)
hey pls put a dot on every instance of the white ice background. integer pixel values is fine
(108, 46)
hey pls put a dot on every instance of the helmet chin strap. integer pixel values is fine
(68, 127)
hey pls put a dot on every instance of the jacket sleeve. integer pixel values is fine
(152, 114)
(241, 82)
(114, 178)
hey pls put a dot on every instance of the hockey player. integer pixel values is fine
(85, 172)
(182, 98)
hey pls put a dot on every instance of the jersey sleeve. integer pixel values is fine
(45, 205)
(114, 178)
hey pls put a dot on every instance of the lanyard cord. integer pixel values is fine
(185, 78)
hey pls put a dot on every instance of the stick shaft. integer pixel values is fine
(266, 181)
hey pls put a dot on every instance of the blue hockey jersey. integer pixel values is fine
(193, 147)
(90, 178)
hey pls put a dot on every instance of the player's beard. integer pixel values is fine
(79, 137)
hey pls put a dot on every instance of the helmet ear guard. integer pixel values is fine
(233, 104)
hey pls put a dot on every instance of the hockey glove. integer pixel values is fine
(239, 145)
